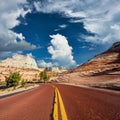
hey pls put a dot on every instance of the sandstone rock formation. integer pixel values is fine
(26, 73)
(104, 63)
(24, 64)
(101, 71)
(20, 61)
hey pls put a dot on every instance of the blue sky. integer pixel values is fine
(58, 32)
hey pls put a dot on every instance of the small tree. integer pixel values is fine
(44, 76)
(41, 76)
(13, 79)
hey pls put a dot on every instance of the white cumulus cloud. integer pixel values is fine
(60, 51)
(9, 12)
(45, 64)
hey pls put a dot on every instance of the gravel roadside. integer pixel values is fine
(6, 93)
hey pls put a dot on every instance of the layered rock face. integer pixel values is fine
(104, 63)
(24, 64)
(20, 61)
(101, 71)
(26, 73)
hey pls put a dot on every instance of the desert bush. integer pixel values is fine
(13, 79)
(44, 76)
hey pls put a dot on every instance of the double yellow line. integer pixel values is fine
(58, 101)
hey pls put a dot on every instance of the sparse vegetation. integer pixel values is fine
(44, 76)
(13, 79)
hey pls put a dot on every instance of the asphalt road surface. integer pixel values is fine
(79, 103)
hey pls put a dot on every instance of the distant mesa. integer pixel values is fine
(20, 61)
(26, 66)
(57, 69)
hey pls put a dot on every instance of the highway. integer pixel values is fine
(44, 103)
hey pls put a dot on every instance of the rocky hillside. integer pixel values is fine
(104, 63)
(20, 61)
(101, 71)
(24, 64)
(26, 73)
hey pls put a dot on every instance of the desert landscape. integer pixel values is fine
(59, 60)
(103, 71)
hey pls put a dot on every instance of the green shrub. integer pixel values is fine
(44, 76)
(13, 79)
(41, 76)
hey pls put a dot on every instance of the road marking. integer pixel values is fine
(55, 109)
(62, 108)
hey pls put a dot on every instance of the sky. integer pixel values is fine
(58, 32)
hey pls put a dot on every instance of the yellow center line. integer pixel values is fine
(55, 109)
(62, 108)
